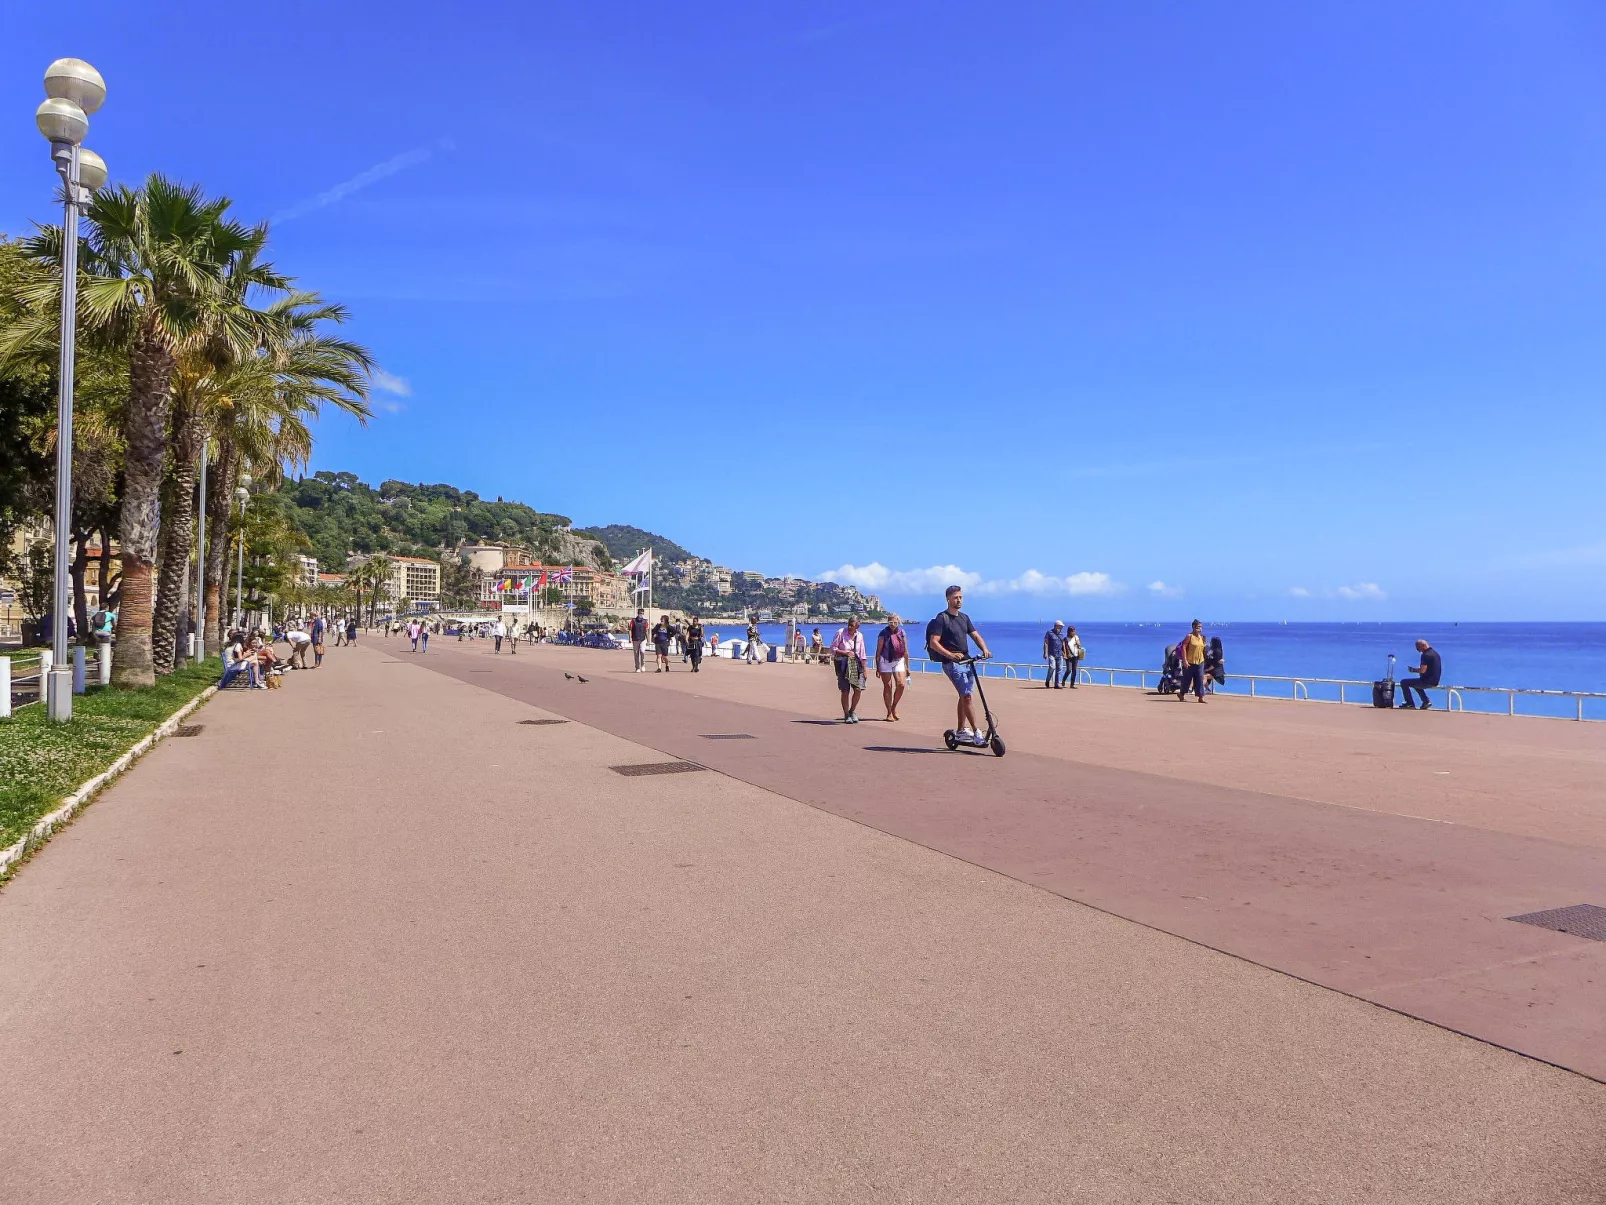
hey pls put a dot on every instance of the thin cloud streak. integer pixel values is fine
(361, 180)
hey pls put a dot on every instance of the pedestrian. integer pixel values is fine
(638, 640)
(496, 635)
(319, 627)
(1054, 654)
(340, 633)
(892, 663)
(1193, 649)
(1074, 652)
(713, 645)
(510, 629)
(351, 630)
(948, 638)
(678, 632)
(694, 644)
(754, 643)
(423, 637)
(848, 653)
(660, 644)
(1215, 666)
(1430, 671)
(300, 642)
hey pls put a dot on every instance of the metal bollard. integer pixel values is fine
(47, 659)
(103, 662)
(5, 687)
(78, 656)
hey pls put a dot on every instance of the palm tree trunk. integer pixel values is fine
(179, 529)
(219, 496)
(80, 602)
(150, 397)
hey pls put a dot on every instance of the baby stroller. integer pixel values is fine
(1171, 670)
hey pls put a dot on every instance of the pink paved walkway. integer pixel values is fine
(373, 939)
(1406, 911)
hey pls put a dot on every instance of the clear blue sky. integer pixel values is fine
(1298, 309)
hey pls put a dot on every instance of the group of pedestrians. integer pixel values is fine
(1062, 649)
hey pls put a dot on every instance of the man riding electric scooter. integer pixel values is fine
(948, 640)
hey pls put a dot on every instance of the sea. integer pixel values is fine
(1561, 657)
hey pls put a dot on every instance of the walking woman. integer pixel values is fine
(694, 644)
(892, 663)
(848, 651)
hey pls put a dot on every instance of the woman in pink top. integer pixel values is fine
(848, 652)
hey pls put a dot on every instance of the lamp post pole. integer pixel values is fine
(73, 90)
(200, 565)
(243, 493)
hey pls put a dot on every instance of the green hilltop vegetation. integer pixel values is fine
(623, 542)
(340, 515)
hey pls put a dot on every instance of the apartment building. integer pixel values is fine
(307, 571)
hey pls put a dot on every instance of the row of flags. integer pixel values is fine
(641, 570)
(524, 583)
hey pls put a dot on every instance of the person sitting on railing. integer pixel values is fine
(1430, 670)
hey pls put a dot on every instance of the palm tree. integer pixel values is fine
(259, 421)
(232, 332)
(153, 264)
(374, 573)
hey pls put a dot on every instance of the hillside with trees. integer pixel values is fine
(623, 542)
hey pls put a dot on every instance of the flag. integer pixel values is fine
(564, 575)
(541, 580)
(642, 564)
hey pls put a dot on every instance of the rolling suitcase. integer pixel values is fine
(1383, 690)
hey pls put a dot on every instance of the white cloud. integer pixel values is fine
(1359, 592)
(389, 383)
(878, 578)
(361, 180)
(933, 580)
(1362, 592)
(1033, 582)
(1165, 591)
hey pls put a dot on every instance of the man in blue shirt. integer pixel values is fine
(948, 640)
(1430, 670)
(1054, 654)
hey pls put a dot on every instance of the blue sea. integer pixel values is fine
(1532, 656)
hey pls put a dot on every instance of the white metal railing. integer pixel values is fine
(1298, 689)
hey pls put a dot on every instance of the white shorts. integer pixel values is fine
(900, 666)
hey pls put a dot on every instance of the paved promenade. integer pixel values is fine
(371, 938)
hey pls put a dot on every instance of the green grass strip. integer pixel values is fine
(41, 763)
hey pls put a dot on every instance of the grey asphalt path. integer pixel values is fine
(370, 939)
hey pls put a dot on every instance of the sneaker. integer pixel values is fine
(1427, 705)
(965, 736)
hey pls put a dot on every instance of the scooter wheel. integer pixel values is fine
(950, 740)
(998, 746)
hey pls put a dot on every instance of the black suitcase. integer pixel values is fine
(1383, 690)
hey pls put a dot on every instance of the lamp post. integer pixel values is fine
(73, 90)
(243, 494)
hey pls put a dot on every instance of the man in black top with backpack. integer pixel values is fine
(1430, 671)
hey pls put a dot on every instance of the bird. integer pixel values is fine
(583, 678)
(568, 675)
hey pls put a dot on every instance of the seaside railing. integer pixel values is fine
(1485, 700)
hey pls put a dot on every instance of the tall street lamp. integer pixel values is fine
(73, 90)
(243, 494)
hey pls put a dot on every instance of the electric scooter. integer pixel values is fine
(988, 740)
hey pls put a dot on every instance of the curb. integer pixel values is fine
(40, 833)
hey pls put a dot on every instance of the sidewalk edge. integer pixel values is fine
(47, 824)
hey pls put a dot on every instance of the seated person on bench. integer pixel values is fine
(1430, 670)
(236, 662)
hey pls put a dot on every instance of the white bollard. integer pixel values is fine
(78, 656)
(103, 661)
(47, 658)
(5, 687)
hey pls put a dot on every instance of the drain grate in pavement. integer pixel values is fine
(657, 767)
(728, 736)
(1581, 920)
(188, 730)
(537, 723)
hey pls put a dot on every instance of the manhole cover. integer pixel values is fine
(657, 767)
(729, 736)
(538, 723)
(1581, 920)
(188, 730)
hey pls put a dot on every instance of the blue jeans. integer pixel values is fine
(1192, 675)
(1056, 671)
(962, 676)
(1070, 671)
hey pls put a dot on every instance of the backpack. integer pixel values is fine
(98, 620)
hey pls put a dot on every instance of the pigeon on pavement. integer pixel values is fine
(568, 675)
(583, 678)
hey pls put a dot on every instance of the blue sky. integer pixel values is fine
(1118, 309)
